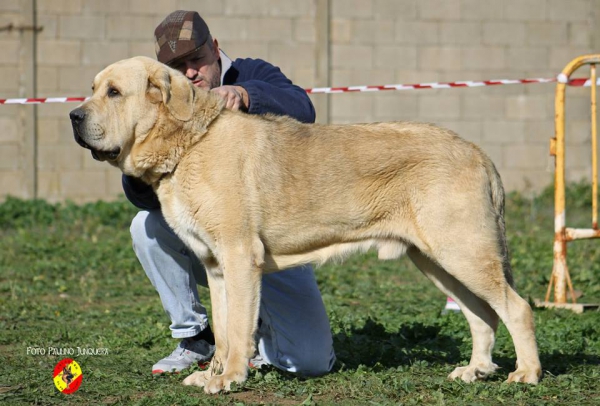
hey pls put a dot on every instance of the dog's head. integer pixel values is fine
(136, 106)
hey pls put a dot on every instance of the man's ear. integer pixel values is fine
(176, 92)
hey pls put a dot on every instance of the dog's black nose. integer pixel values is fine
(77, 115)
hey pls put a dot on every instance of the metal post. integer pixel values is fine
(560, 269)
(560, 277)
(594, 149)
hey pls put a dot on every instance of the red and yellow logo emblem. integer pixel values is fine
(67, 376)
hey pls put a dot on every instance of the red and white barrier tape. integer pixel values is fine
(43, 100)
(446, 85)
(436, 85)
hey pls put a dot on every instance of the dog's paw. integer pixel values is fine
(523, 375)
(199, 378)
(223, 382)
(472, 373)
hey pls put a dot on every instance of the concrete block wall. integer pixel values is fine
(370, 42)
(405, 41)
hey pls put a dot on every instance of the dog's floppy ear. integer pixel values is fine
(176, 92)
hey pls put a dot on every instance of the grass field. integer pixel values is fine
(69, 278)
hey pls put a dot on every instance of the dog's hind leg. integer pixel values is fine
(483, 321)
(480, 269)
(518, 318)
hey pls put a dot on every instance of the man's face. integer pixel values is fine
(201, 66)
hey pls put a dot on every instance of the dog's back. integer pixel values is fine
(362, 186)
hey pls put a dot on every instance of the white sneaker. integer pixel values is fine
(187, 353)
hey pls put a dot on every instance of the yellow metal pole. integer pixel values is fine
(560, 272)
(594, 150)
(560, 244)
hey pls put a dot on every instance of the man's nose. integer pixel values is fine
(191, 70)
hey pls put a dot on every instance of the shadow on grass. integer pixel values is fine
(374, 347)
(371, 346)
(560, 364)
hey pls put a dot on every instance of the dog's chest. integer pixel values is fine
(181, 219)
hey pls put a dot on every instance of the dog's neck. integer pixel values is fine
(172, 139)
(207, 107)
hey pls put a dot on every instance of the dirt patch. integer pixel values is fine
(265, 398)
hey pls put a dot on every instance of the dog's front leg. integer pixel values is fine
(242, 279)
(218, 298)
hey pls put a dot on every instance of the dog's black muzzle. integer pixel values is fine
(77, 120)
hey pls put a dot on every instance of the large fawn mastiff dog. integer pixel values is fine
(252, 194)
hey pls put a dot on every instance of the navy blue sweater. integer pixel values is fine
(269, 91)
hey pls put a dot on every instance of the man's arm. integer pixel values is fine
(270, 91)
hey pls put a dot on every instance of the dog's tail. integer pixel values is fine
(497, 198)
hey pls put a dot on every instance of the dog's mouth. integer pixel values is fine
(106, 155)
(98, 155)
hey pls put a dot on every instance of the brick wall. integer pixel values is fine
(370, 42)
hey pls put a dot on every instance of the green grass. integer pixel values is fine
(69, 278)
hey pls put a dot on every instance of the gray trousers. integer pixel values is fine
(294, 333)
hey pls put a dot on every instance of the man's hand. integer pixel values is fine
(236, 97)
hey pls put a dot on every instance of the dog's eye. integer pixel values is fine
(112, 92)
